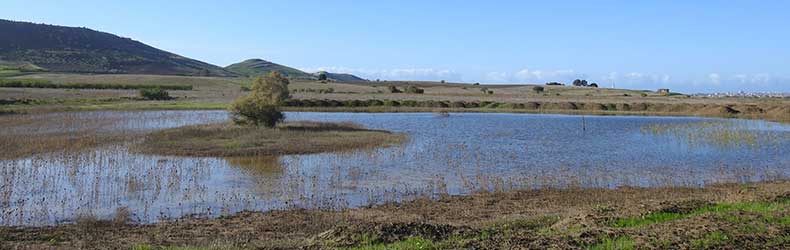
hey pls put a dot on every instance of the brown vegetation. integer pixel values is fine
(288, 138)
(750, 216)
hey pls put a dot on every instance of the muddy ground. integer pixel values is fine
(725, 216)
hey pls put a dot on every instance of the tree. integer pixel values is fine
(577, 82)
(594, 85)
(262, 106)
(322, 76)
(584, 83)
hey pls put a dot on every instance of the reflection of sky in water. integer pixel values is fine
(457, 154)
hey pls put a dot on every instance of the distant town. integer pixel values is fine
(745, 94)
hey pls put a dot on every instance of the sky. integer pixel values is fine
(688, 46)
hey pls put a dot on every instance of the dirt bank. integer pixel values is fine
(728, 216)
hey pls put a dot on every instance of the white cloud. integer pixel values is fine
(715, 79)
(412, 74)
(497, 77)
(533, 76)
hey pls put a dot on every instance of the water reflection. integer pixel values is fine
(259, 166)
(458, 154)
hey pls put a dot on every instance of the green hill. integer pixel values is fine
(70, 49)
(342, 77)
(257, 67)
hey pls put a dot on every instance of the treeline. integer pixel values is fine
(39, 83)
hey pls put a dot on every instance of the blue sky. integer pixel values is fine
(690, 46)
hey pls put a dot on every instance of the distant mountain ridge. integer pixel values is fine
(70, 49)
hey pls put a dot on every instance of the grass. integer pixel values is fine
(411, 243)
(39, 83)
(288, 138)
(710, 240)
(619, 243)
(759, 207)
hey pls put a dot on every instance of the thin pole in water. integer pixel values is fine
(584, 124)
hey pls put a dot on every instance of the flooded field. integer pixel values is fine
(98, 177)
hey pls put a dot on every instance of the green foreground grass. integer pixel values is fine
(763, 208)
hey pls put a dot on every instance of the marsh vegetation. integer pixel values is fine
(222, 140)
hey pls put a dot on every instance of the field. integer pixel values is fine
(159, 159)
(217, 92)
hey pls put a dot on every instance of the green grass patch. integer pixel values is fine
(711, 240)
(619, 243)
(39, 83)
(648, 219)
(411, 243)
(723, 210)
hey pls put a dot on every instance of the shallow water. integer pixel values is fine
(458, 154)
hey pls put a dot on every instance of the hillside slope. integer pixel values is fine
(342, 77)
(257, 67)
(70, 49)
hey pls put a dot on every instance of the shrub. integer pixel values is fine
(414, 90)
(393, 89)
(155, 94)
(375, 103)
(538, 89)
(390, 103)
(643, 94)
(262, 106)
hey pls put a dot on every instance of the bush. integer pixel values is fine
(248, 111)
(262, 106)
(393, 89)
(155, 94)
(538, 89)
(414, 90)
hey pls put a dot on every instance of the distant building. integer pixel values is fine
(663, 91)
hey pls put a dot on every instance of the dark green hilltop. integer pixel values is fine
(82, 50)
(35, 47)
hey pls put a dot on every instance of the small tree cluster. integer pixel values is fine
(414, 90)
(583, 83)
(155, 94)
(554, 84)
(262, 106)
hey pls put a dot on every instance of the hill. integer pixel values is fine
(342, 77)
(70, 49)
(257, 67)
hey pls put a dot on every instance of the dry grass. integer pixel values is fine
(222, 140)
(217, 91)
(25, 135)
